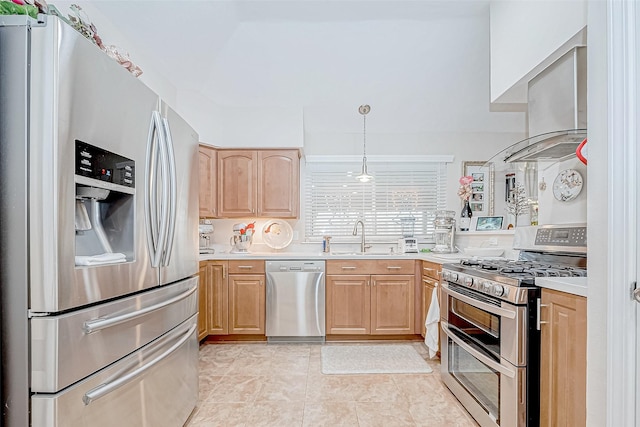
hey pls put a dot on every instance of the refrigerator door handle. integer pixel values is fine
(95, 325)
(173, 193)
(150, 208)
(104, 389)
(156, 234)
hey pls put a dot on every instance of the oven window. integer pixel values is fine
(478, 325)
(482, 382)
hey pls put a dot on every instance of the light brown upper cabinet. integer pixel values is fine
(258, 183)
(208, 181)
(278, 183)
(237, 180)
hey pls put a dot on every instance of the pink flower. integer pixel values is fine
(466, 180)
(464, 192)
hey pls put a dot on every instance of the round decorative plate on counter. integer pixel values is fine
(567, 185)
(277, 234)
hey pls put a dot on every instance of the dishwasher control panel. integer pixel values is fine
(295, 266)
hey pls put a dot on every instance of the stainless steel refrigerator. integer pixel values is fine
(98, 238)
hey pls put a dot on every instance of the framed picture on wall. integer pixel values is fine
(482, 187)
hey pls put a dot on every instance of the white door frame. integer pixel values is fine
(623, 41)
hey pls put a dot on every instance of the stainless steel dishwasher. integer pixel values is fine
(295, 301)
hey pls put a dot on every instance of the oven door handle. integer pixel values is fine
(478, 355)
(498, 311)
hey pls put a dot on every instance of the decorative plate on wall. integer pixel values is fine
(277, 234)
(567, 185)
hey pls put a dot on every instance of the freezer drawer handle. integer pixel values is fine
(104, 389)
(91, 326)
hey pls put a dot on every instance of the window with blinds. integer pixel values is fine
(401, 200)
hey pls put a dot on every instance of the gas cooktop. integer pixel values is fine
(524, 271)
(545, 251)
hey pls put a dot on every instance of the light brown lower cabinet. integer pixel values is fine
(232, 298)
(204, 284)
(246, 303)
(430, 277)
(429, 286)
(563, 362)
(370, 304)
(392, 310)
(348, 304)
(218, 299)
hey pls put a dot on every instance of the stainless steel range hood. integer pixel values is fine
(557, 105)
(557, 145)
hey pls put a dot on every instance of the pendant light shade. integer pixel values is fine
(364, 173)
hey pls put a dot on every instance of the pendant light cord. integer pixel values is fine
(364, 175)
(364, 132)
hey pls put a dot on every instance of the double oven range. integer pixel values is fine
(490, 323)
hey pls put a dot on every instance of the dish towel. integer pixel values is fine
(431, 323)
(107, 258)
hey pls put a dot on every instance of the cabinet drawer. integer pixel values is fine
(371, 266)
(248, 266)
(347, 266)
(431, 269)
(394, 266)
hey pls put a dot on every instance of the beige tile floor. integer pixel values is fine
(282, 385)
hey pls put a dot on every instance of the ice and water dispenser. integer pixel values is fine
(104, 206)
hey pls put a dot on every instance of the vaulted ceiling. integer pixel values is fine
(422, 65)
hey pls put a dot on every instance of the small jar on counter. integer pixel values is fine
(326, 244)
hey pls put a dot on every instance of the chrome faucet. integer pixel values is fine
(363, 248)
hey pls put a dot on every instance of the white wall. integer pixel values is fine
(526, 37)
(233, 126)
(553, 211)
(111, 35)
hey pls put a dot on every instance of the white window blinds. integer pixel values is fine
(401, 200)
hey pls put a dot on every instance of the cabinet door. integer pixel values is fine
(563, 363)
(392, 304)
(203, 286)
(246, 303)
(428, 287)
(237, 179)
(278, 183)
(218, 299)
(431, 270)
(348, 309)
(208, 181)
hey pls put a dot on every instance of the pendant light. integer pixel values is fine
(364, 174)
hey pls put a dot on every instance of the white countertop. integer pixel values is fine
(427, 256)
(572, 285)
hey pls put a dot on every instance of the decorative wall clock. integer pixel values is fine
(567, 185)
